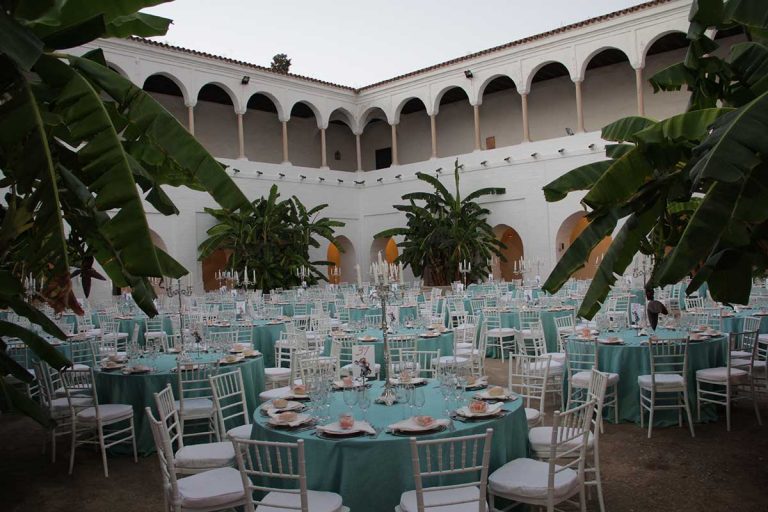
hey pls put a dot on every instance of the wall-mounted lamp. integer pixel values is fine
(321, 179)
(380, 180)
(461, 166)
(259, 173)
(568, 131)
(484, 163)
(361, 182)
(508, 159)
(281, 175)
(468, 73)
(245, 80)
(302, 177)
(235, 171)
(340, 180)
(591, 146)
(561, 150)
(534, 155)
(399, 177)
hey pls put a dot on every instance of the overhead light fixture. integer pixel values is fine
(380, 180)
(568, 131)
(245, 80)
(484, 163)
(321, 179)
(302, 177)
(534, 155)
(468, 73)
(281, 175)
(399, 177)
(508, 159)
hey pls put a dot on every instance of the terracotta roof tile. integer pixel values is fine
(464, 58)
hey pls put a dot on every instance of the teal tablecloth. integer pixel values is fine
(138, 390)
(512, 319)
(265, 334)
(735, 323)
(632, 360)
(444, 343)
(370, 474)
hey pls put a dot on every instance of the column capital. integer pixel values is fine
(190, 103)
(284, 118)
(241, 112)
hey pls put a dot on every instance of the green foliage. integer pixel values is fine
(272, 239)
(280, 63)
(444, 231)
(81, 149)
(692, 189)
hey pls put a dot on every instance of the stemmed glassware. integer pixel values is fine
(363, 401)
(403, 396)
(350, 397)
(418, 398)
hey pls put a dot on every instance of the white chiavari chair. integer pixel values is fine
(666, 388)
(580, 362)
(498, 337)
(205, 491)
(262, 464)
(103, 425)
(557, 480)
(527, 378)
(195, 399)
(231, 405)
(463, 460)
(189, 458)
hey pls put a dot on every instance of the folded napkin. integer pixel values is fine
(491, 410)
(414, 381)
(335, 428)
(410, 425)
(271, 410)
(300, 420)
(486, 395)
(479, 382)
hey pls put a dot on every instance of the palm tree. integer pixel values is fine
(272, 239)
(445, 231)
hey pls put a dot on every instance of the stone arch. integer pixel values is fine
(647, 50)
(346, 259)
(588, 61)
(308, 104)
(262, 129)
(536, 74)
(455, 122)
(340, 140)
(410, 100)
(551, 101)
(568, 231)
(375, 136)
(606, 71)
(387, 247)
(414, 131)
(304, 134)
(500, 112)
(666, 49)
(215, 120)
(438, 99)
(513, 253)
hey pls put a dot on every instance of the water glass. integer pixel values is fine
(350, 397)
(418, 398)
(364, 401)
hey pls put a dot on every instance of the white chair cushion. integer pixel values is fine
(533, 416)
(446, 360)
(582, 379)
(277, 374)
(271, 394)
(433, 499)
(154, 334)
(555, 368)
(720, 374)
(502, 332)
(467, 352)
(116, 335)
(558, 357)
(318, 502)
(664, 382)
(528, 479)
(78, 367)
(242, 432)
(108, 412)
(541, 440)
(216, 489)
(62, 404)
(195, 407)
(463, 345)
(740, 354)
(757, 365)
(205, 456)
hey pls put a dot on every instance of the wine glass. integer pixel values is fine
(419, 398)
(403, 397)
(364, 401)
(446, 384)
(350, 397)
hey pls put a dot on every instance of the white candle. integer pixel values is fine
(359, 277)
(400, 270)
(380, 259)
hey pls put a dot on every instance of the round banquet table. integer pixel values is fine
(371, 473)
(138, 389)
(443, 342)
(264, 335)
(511, 318)
(734, 322)
(632, 360)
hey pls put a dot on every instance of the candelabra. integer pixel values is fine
(180, 292)
(642, 267)
(385, 290)
(465, 267)
(335, 274)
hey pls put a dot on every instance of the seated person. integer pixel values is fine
(654, 308)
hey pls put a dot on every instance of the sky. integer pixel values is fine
(360, 42)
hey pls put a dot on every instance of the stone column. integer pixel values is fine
(476, 112)
(323, 151)
(579, 108)
(285, 143)
(359, 152)
(395, 160)
(240, 137)
(639, 86)
(433, 128)
(524, 107)
(191, 119)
